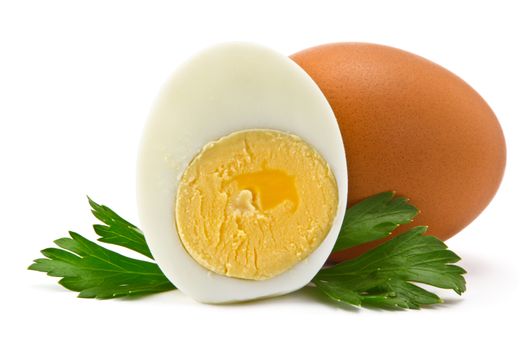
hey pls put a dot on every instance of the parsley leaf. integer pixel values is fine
(373, 218)
(384, 276)
(117, 230)
(97, 272)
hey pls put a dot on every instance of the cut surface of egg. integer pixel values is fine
(242, 179)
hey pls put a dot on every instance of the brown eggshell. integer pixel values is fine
(411, 126)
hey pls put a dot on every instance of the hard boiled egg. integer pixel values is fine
(242, 179)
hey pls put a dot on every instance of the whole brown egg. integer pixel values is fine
(411, 126)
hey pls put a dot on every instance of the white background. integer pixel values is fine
(76, 83)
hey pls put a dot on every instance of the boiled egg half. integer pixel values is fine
(242, 179)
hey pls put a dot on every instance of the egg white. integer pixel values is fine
(229, 87)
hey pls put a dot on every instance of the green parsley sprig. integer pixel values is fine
(97, 272)
(383, 277)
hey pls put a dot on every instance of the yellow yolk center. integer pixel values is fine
(270, 187)
(255, 203)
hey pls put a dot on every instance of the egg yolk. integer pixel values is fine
(254, 203)
(270, 187)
